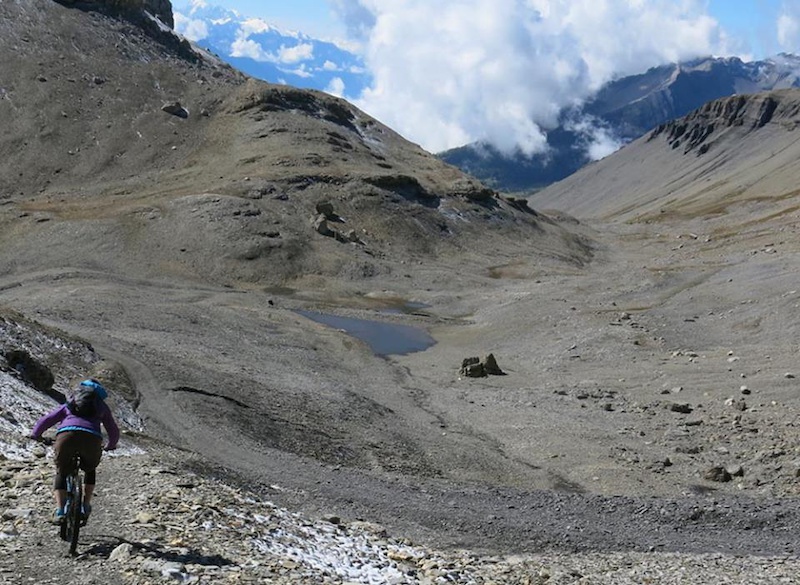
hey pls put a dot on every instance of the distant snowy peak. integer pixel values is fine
(262, 50)
(785, 71)
(779, 72)
(636, 103)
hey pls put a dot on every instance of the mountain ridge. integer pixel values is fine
(705, 146)
(626, 109)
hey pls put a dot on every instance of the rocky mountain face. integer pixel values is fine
(636, 104)
(626, 109)
(114, 123)
(161, 9)
(694, 165)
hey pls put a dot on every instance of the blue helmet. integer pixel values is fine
(97, 386)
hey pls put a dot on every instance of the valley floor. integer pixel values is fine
(644, 430)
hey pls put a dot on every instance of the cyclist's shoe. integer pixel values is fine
(59, 516)
(86, 510)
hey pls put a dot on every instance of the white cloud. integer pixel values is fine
(449, 72)
(335, 87)
(195, 5)
(602, 144)
(195, 30)
(788, 27)
(596, 138)
(301, 52)
(300, 71)
(244, 47)
(252, 26)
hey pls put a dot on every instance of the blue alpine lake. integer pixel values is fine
(383, 338)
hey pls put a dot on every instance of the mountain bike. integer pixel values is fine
(70, 527)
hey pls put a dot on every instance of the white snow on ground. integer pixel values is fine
(355, 557)
(20, 407)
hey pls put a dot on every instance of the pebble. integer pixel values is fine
(122, 553)
(17, 513)
(717, 474)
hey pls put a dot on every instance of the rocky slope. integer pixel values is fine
(165, 515)
(732, 157)
(87, 143)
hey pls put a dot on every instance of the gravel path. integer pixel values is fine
(156, 520)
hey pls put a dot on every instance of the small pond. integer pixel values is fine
(383, 338)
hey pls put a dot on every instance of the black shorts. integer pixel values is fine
(70, 443)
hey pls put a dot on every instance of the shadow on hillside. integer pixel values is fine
(185, 555)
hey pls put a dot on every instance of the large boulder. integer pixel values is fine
(475, 367)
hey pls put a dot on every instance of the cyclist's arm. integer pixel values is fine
(51, 418)
(111, 428)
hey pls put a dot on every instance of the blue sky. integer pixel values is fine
(751, 23)
(315, 18)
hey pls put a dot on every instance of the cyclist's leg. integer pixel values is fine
(64, 449)
(91, 453)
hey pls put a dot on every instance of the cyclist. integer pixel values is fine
(79, 434)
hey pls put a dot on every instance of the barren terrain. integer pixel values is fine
(650, 398)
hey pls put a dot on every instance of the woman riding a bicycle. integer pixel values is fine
(79, 434)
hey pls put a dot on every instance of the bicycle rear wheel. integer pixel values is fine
(71, 527)
(64, 528)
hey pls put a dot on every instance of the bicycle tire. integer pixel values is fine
(64, 529)
(75, 514)
(71, 525)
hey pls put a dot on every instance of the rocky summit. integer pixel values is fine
(601, 385)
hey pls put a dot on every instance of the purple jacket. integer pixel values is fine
(63, 415)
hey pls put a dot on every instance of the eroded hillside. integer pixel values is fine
(124, 151)
(732, 157)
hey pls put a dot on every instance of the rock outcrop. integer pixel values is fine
(695, 131)
(474, 367)
(161, 9)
